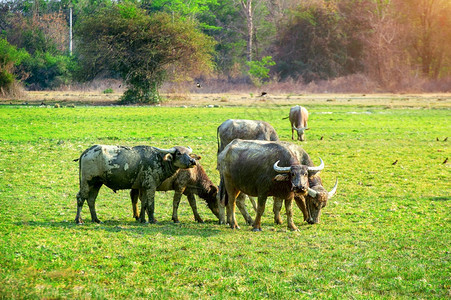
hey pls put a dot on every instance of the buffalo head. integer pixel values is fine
(316, 200)
(301, 132)
(297, 174)
(179, 156)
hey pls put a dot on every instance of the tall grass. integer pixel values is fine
(384, 235)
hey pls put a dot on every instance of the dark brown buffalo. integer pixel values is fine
(298, 120)
(189, 182)
(141, 168)
(246, 130)
(254, 168)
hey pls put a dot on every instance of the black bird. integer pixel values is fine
(395, 162)
(437, 139)
(263, 94)
(445, 139)
(198, 85)
(321, 138)
(446, 160)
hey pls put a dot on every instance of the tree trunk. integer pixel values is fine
(247, 9)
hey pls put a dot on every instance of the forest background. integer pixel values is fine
(146, 46)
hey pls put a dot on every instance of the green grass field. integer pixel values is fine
(385, 235)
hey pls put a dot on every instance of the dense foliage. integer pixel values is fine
(390, 41)
(141, 47)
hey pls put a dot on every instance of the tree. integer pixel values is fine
(141, 48)
(259, 71)
(312, 44)
(429, 32)
(10, 57)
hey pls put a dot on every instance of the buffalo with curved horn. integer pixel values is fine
(247, 167)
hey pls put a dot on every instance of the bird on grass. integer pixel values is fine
(263, 94)
(446, 160)
(198, 85)
(395, 162)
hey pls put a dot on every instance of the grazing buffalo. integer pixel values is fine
(246, 130)
(261, 168)
(141, 168)
(189, 182)
(298, 119)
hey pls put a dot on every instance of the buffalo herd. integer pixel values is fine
(251, 160)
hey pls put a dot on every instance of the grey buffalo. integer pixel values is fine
(246, 130)
(298, 120)
(261, 168)
(189, 182)
(141, 168)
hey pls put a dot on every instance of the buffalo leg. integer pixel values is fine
(232, 193)
(241, 203)
(80, 201)
(260, 211)
(92, 195)
(134, 194)
(300, 202)
(142, 214)
(276, 209)
(289, 210)
(149, 196)
(175, 206)
(192, 203)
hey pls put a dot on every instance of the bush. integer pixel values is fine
(10, 57)
(47, 71)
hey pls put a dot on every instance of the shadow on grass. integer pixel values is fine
(439, 198)
(133, 227)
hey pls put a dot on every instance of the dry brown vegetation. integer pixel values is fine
(251, 98)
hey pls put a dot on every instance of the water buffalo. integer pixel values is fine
(189, 182)
(246, 130)
(253, 168)
(298, 120)
(142, 168)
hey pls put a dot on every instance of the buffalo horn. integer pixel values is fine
(312, 193)
(318, 168)
(334, 189)
(281, 169)
(172, 150)
(300, 128)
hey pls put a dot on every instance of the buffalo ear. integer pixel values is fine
(168, 157)
(281, 177)
(195, 156)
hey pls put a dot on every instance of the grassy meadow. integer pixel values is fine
(385, 235)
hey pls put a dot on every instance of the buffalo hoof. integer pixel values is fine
(257, 229)
(79, 221)
(200, 221)
(153, 221)
(293, 228)
(97, 221)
